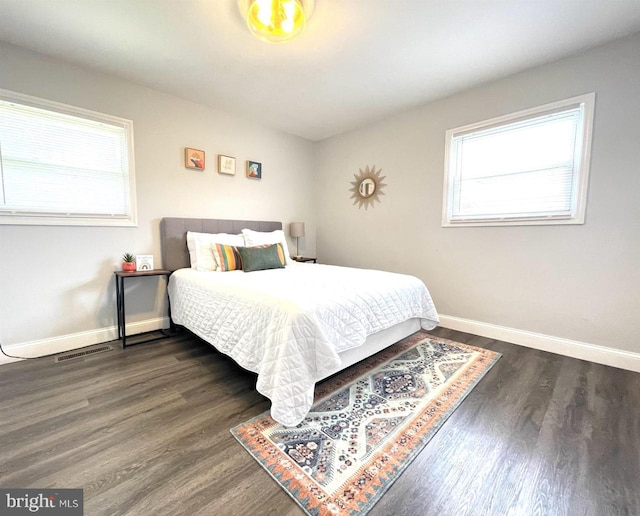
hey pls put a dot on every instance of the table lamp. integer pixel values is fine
(296, 230)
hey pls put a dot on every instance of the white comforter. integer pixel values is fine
(288, 325)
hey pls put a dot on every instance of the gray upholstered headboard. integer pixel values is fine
(173, 235)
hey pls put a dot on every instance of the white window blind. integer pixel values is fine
(60, 164)
(530, 167)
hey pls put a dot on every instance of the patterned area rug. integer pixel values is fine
(367, 424)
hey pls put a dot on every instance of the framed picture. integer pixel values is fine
(254, 170)
(194, 158)
(144, 262)
(226, 165)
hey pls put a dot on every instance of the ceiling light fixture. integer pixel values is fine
(276, 21)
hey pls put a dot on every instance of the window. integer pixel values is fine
(64, 165)
(530, 167)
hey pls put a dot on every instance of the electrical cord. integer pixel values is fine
(11, 356)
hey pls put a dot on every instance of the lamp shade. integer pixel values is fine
(296, 229)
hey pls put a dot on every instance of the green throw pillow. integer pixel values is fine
(261, 258)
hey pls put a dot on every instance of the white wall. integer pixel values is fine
(56, 283)
(575, 282)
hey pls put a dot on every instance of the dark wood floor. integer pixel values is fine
(145, 431)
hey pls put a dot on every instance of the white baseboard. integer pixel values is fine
(62, 343)
(7, 360)
(571, 348)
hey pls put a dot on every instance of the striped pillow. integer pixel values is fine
(227, 257)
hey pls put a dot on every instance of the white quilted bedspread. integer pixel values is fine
(288, 325)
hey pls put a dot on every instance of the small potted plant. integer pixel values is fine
(128, 262)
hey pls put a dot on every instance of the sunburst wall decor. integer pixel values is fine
(367, 187)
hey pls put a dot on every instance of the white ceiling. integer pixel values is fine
(358, 61)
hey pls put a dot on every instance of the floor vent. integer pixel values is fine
(83, 353)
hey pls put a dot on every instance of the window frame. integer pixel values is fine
(587, 103)
(55, 219)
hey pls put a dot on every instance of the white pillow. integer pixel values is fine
(201, 252)
(253, 238)
(191, 245)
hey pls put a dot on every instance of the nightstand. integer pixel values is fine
(120, 299)
(303, 259)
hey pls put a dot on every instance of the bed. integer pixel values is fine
(292, 326)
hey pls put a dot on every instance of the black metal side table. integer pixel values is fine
(303, 259)
(120, 277)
